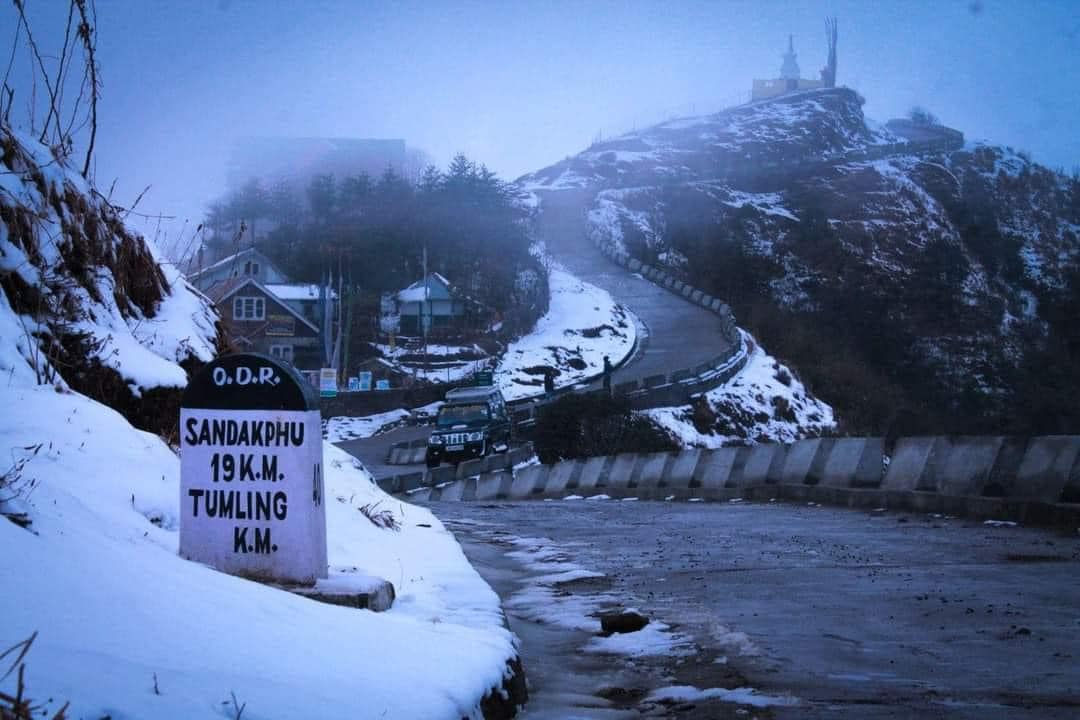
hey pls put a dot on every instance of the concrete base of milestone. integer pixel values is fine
(365, 593)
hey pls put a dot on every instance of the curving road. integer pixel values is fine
(677, 334)
(680, 334)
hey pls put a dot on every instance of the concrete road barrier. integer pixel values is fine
(716, 471)
(520, 454)
(634, 265)
(855, 463)
(679, 473)
(764, 465)
(805, 461)
(498, 461)
(593, 474)
(962, 464)
(621, 473)
(1050, 470)
(529, 482)
(650, 471)
(441, 474)
(562, 478)
(494, 485)
(911, 466)
(1002, 481)
(470, 468)
(695, 297)
(410, 481)
(680, 375)
(448, 493)
(687, 291)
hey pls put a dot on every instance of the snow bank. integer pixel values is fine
(763, 403)
(340, 428)
(582, 325)
(117, 611)
(678, 694)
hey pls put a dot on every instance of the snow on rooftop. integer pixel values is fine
(294, 291)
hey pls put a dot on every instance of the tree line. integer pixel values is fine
(467, 223)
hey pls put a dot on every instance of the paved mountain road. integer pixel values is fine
(680, 334)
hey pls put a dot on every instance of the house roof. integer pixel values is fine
(421, 290)
(294, 291)
(235, 257)
(223, 291)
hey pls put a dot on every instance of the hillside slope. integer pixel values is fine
(916, 288)
(86, 304)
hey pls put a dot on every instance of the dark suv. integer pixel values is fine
(473, 422)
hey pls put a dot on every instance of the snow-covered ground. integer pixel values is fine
(443, 364)
(582, 325)
(338, 429)
(765, 402)
(124, 626)
(117, 611)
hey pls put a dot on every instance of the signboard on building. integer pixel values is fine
(251, 471)
(354, 384)
(365, 380)
(382, 384)
(282, 325)
(328, 382)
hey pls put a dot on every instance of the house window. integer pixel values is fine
(249, 308)
(282, 352)
(251, 268)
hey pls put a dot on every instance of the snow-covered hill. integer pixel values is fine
(798, 127)
(87, 304)
(927, 281)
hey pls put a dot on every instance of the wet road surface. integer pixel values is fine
(856, 614)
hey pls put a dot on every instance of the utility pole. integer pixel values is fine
(426, 301)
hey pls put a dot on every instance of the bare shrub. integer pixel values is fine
(384, 519)
(18, 706)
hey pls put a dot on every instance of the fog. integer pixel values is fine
(520, 85)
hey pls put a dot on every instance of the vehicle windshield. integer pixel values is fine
(458, 414)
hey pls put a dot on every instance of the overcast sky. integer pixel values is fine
(518, 85)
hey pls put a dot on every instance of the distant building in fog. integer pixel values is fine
(271, 159)
(790, 79)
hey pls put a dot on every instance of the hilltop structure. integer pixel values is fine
(790, 79)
